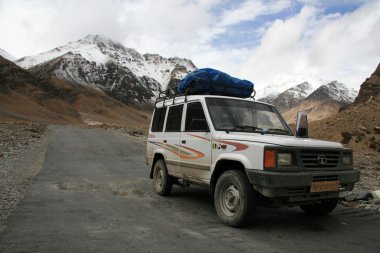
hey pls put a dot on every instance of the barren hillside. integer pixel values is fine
(26, 97)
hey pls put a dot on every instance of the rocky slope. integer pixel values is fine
(292, 96)
(370, 88)
(28, 97)
(358, 126)
(121, 72)
(117, 81)
(325, 101)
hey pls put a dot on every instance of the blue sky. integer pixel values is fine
(265, 41)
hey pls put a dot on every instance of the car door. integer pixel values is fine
(195, 158)
(172, 137)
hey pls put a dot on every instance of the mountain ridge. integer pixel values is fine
(121, 72)
(26, 96)
(7, 55)
(99, 49)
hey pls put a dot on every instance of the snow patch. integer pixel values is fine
(7, 55)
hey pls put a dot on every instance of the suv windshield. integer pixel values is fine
(245, 116)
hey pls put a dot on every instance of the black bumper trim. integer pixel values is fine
(280, 184)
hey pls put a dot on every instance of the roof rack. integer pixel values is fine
(167, 94)
(173, 93)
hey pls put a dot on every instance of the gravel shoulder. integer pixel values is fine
(22, 153)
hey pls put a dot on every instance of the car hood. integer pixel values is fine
(282, 140)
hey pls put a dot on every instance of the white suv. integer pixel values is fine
(246, 154)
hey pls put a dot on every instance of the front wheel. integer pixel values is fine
(162, 181)
(323, 208)
(234, 198)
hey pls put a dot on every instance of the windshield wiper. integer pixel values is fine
(277, 130)
(246, 127)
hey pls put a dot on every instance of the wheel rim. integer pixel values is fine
(229, 200)
(159, 179)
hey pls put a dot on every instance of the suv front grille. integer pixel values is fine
(319, 159)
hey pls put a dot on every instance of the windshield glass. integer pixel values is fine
(245, 116)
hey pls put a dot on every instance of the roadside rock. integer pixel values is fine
(376, 195)
(347, 136)
(355, 196)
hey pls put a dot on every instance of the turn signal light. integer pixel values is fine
(270, 159)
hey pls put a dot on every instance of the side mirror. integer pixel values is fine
(199, 125)
(302, 129)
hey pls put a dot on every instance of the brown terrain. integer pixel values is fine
(26, 96)
(358, 125)
(315, 109)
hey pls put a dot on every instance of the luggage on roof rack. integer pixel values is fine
(209, 81)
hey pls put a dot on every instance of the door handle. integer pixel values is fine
(165, 141)
(183, 141)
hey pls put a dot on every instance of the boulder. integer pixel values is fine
(347, 136)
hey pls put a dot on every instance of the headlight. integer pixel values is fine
(347, 159)
(284, 159)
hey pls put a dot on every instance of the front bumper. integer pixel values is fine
(295, 186)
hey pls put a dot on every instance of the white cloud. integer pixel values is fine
(335, 46)
(332, 47)
(251, 9)
(22, 23)
(153, 26)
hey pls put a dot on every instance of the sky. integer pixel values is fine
(264, 41)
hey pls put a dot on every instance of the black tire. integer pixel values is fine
(162, 181)
(234, 198)
(321, 209)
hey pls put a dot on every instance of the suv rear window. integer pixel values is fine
(158, 119)
(173, 123)
(195, 118)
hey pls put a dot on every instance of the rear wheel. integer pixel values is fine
(234, 198)
(162, 181)
(325, 207)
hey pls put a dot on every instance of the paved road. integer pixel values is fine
(93, 195)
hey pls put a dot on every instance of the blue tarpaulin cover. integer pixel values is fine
(209, 81)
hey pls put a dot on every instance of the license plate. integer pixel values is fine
(324, 186)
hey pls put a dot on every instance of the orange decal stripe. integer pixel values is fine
(238, 146)
(200, 137)
(197, 153)
(194, 154)
(165, 146)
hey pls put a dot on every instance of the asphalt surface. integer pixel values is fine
(94, 195)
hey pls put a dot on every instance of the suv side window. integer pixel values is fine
(195, 118)
(173, 122)
(158, 119)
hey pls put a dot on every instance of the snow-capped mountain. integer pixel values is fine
(7, 55)
(335, 91)
(119, 71)
(293, 96)
(325, 101)
(268, 93)
(117, 81)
